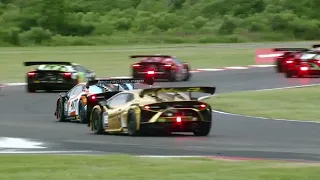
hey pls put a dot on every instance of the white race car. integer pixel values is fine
(72, 106)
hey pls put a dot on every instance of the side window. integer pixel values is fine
(120, 99)
(76, 90)
(81, 68)
(177, 61)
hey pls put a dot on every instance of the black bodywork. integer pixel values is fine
(52, 79)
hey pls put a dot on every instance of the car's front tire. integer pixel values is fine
(60, 111)
(132, 123)
(82, 113)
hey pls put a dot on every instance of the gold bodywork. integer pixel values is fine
(119, 114)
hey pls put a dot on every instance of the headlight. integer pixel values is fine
(105, 118)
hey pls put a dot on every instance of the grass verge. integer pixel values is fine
(114, 61)
(296, 103)
(52, 167)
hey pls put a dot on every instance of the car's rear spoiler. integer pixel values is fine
(33, 63)
(200, 89)
(316, 46)
(114, 81)
(291, 49)
(142, 56)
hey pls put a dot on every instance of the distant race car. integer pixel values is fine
(308, 64)
(56, 75)
(289, 54)
(163, 67)
(72, 106)
(157, 110)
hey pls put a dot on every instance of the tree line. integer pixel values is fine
(99, 22)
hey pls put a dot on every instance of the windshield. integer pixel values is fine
(308, 56)
(95, 90)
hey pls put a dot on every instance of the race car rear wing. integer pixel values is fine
(190, 89)
(142, 56)
(33, 63)
(316, 46)
(291, 49)
(114, 81)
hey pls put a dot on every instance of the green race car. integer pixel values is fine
(55, 75)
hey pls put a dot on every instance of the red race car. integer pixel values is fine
(162, 67)
(308, 64)
(289, 54)
(286, 59)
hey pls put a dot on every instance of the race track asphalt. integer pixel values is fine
(32, 116)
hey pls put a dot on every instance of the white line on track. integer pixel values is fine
(264, 118)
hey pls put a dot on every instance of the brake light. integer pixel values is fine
(201, 106)
(167, 65)
(30, 74)
(178, 119)
(319, 62)
(304, 68)
(93, 97)
(150, 72)
(136, 65)
(289, 62)
(67, 75)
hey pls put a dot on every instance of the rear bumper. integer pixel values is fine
(157, 75)
(189, 126)
(310, 72)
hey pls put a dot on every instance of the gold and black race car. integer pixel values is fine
(165, 110)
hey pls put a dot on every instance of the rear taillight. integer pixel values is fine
(67, 75)
(167, 65)
(304, 68)
(93, 97)
(201, 106)
(136, 65)
(31, 74)
(289, 62)
(150, 72)
(178, 119)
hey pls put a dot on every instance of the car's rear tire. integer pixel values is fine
(60, 111)
(31, 89)
(97, 124)
(132, 123)
(188, 75)
(203, 129)
(279, 69)
(172, 76)
(82, 113)
(289, 74)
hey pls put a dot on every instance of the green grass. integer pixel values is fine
(51, 167)
(296, 103)
(107, 61)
